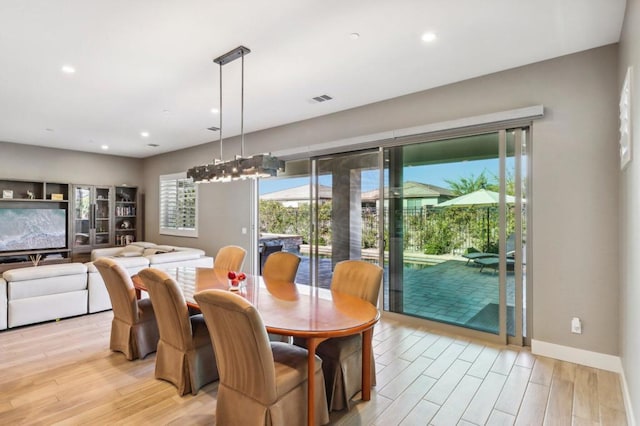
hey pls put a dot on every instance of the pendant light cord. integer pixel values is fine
(220, 113)
(242, 109)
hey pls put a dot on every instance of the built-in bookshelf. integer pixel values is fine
(126, 215)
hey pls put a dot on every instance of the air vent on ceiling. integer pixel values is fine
(322, 98)
(213, 128)
(153, 145)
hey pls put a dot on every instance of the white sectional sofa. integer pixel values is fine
(43, 293)
(3, 304)
(48, 292)
(135, 257)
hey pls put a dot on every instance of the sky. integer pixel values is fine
(436, 174)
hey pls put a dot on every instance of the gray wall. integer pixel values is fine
(629, 214)
(223, 209)
(575, 180)
(26, 162)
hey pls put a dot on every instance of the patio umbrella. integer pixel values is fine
(479, 198)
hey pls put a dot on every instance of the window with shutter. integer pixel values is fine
(178, 205)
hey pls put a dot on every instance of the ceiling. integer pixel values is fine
(146, 66)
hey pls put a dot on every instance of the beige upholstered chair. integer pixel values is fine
(134, 330)
(261, 382)
(229, 258)
(280, 267)
(342, 356)
(185, 354)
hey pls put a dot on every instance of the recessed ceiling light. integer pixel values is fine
(144, 134)
(104, 147)
(354, 36)
(214, 110)
(428, 37)
(68, 69)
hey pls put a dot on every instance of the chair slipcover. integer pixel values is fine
(342, 356)
(265, 251)
(134, 330)
(185, 354)
(229, 258)
(280, 267)
(261, 382)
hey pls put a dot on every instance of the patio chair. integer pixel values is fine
(474, 255)
(478, 255)
(494, 263)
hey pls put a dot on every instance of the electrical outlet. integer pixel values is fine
(576, 325)
(243, 230)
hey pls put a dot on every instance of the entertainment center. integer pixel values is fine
(47, 222)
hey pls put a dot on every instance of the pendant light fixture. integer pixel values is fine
(241, 167)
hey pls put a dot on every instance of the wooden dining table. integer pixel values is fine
(290, 309)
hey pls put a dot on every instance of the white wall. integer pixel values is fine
(630, 214)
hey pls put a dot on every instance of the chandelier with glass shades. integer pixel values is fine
(241, 167)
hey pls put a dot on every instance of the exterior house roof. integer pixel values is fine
(298, 193)
(412, 189)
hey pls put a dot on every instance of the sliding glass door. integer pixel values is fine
(454, 233)
(449, 226)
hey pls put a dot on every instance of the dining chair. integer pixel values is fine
(280, 268)
(261, 382)
(265, 251)
(134, 330)
(229, 258)
(185, 353)
(342, 356)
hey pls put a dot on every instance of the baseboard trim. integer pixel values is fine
(577, 356)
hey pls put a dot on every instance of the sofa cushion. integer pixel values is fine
(46, 286)
(45, 271)
(200, 252)
(131, 250)
(173, 257)
(3, 304)
(166, 248)
(138, 262)
(143, 244)
(156, 250)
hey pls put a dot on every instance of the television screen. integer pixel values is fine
(32, 229)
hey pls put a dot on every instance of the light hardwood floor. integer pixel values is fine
(63, 373)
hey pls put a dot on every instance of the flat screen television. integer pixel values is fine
(32, 229)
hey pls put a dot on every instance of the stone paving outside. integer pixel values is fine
(452, 291)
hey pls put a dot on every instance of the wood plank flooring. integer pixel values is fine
(63, 373)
